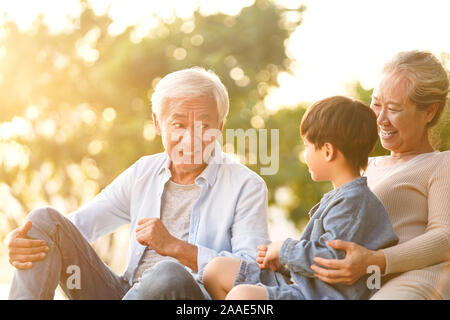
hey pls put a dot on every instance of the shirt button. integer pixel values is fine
(138, 252)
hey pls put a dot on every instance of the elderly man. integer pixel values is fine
(186, 206)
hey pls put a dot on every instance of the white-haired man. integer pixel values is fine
(186, 206)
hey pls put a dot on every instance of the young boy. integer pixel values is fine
(339, 133)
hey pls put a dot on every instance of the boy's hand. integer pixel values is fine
(262, 250)
(268, 257)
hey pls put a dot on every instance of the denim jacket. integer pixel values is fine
(351, 213)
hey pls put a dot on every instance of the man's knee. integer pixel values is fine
(169, 269)
(45, 218)
(44, 214)
(167, 274)
(164, 280)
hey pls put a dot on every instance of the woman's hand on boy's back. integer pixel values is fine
(269, 256)
(352, 267)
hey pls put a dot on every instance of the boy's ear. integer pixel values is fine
(156, 123)
(330, 151)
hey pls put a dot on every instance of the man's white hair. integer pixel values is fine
(191, 83)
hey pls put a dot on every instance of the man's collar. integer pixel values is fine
(209, 174)
(165, 168)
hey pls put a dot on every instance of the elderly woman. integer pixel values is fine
(413, 183)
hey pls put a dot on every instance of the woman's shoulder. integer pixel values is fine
(443, 154)
(437, 159)
(424, 166)
(431, 162)
(442, 163)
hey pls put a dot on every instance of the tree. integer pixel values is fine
(79, 101)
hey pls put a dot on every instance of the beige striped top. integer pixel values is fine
(416, 194)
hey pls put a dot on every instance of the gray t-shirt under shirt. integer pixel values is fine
(176, 209)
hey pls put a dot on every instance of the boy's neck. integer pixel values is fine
(343, 176)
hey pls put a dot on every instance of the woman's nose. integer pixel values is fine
(382, 118)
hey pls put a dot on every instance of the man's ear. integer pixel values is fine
(330, 151)
(156, 123)
(221, 126)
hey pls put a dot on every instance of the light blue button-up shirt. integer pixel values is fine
(228, 219)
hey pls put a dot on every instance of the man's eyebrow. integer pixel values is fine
(177, 115)
(204, 116)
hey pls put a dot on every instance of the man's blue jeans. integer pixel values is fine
(70, 253)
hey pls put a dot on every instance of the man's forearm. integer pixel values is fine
(186, 253)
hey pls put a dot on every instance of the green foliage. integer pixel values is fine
(90, 118)
(84, 96)
(293, 173)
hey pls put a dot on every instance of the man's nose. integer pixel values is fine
(191, 139)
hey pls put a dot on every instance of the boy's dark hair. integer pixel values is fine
(348, 124)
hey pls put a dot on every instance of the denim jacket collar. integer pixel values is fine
(360, 181)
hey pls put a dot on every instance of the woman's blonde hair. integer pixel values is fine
(425, 78)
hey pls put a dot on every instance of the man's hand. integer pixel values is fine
(23, 251)
(268, 256)
(151, 232)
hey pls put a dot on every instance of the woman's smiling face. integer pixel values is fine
(401, 126)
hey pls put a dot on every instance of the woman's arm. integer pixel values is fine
(432, 246)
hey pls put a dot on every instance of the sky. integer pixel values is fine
(337, 43)
(340, 42)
